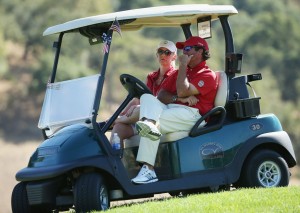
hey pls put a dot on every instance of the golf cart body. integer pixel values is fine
(76, 166)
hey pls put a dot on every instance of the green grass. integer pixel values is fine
(284, 199)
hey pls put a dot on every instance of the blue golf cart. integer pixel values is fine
(76, 167)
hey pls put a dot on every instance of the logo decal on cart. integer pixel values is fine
(211, 151)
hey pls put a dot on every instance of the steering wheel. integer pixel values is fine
(134, 86)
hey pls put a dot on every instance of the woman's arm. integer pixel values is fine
(132, 118)
(134, 101)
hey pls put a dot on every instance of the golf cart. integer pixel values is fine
(76, 167)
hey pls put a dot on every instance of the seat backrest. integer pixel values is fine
(222, 92)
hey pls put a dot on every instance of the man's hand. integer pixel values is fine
(183, 86)
(183, 61)
(191, 100)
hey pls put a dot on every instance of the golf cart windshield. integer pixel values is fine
(68, 102)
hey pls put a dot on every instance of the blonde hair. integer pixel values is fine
(173, 63)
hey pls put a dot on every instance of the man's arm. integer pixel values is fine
(183, 86)
(165, 97)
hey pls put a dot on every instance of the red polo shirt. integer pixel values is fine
(153, 76)
(204, 79)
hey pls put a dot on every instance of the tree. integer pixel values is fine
(271, 42)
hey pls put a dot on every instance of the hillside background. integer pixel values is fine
(266, 32)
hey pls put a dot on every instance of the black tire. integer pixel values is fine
(264, 168)
(91, 193)
(19, 199)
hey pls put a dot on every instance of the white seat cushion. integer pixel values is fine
(221, 96)
(135, 140)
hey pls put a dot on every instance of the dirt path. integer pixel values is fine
(13, 157)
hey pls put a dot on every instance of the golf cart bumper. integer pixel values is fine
(41, 173)
(43, 192)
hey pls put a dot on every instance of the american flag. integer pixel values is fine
(106, 42)
(116, 27)
(105, 47)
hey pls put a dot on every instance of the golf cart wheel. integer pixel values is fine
(91, 193)
(19, 201)
(265, 168)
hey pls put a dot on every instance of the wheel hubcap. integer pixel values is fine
(103, 198)
(269, 174)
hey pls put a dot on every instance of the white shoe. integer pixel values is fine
(145, 176)
(148, 130)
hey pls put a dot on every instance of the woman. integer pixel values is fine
(166, 53)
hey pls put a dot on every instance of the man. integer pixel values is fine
(178, 105)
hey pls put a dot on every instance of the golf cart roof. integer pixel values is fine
(167, 16)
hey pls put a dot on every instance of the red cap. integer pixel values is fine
(193, 41)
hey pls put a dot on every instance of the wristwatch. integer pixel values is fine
(174, 98)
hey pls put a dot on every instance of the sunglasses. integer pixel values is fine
(166, 52)
(188, 48)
